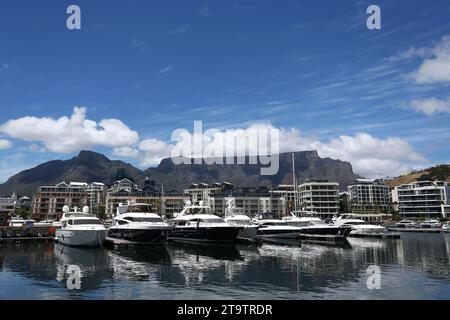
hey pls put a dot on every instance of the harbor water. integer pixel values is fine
(417, 266)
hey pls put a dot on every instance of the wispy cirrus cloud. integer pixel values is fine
(139, 45)
(165, 69)
(431, 106)
(177, 31)
(205, 12)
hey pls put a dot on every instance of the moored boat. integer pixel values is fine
(196, 223)
(137, 223)
(80, 229)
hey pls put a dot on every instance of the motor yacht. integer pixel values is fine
(359, 226)
(315, 225)
(430, 224)
(196, 223)
(80, 228)
(137, 223)
(406, 224)
(237, 217)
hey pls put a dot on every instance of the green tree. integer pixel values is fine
(23, 213)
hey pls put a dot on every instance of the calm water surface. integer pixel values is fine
(414, 267)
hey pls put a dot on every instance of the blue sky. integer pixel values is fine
(376, 98)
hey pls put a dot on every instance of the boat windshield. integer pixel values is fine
(212, 220)
(240, 222)
(86, 221)
(146, 219)
(138, 209)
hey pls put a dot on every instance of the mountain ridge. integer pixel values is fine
(91, 166)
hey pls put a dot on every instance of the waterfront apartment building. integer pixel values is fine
(368, 196)
(252, 200)
(49, 201)
(204, 192)
(422, 199)
(165, 202)
(8, 204)
(320, 196)
(290, 196)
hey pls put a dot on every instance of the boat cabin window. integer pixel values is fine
(70, 222)
(197, 211)
(273, 224)
(87, 221)
(144, 219)
(121, 222)
(137, 209)
(212, 220)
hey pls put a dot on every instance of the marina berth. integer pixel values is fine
(196, 223)
(137, 223)
(80, 229)
(358, 226)
(237, 217)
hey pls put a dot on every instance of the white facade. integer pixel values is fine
(320, 196)
(422, 198)
(368, 196)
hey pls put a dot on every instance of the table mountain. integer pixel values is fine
(90, 166)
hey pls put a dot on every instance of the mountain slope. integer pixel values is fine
(90, 166)
(86, 167)
(308, 164)
(440, 172)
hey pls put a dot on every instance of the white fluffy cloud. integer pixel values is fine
(436, 67)
(430, 106)
(65, 135)
(370, 156)
(5, 144)
(153, 151)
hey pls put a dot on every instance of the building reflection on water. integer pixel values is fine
(265, 270)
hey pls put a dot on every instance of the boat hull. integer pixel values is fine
(81, 238)
(139, 235)
(288, 234)
(204, 234)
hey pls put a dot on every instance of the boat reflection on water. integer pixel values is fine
(140, 263)
(205, 271)
(91, 265)
(202, 262)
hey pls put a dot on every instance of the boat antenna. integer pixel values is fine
(294, 181)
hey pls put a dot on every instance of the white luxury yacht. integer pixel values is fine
(314, 225)
(197, 223)
(359, 226)
(80, 228)
(237, 217)
(431, 223)
(137, 223)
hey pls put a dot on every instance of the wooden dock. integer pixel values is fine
(26, 239)
(24, 234)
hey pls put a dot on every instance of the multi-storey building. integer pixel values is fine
(252, 200)
(422, 198)
(368, 196)
(8, 204)
(125, 191)
(290, 196)
(203, 191)
(50, 200)
(319, 196)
